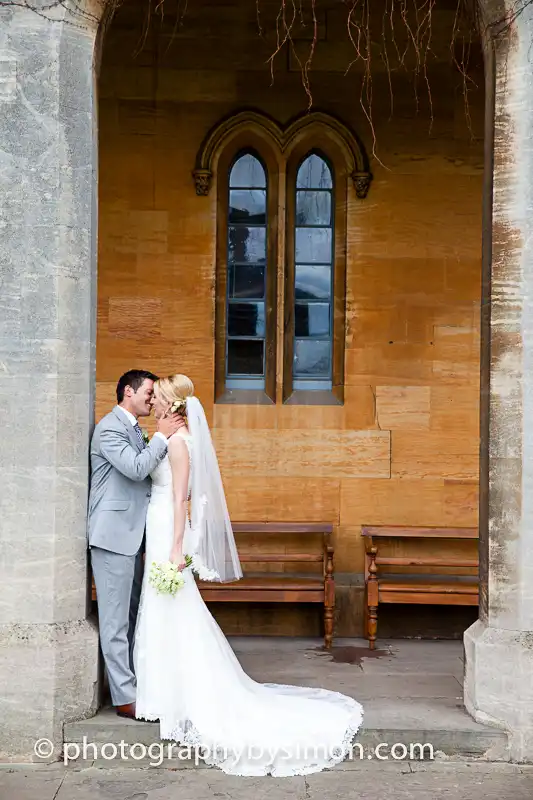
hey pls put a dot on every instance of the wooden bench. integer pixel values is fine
(451, 589)
(282, 587)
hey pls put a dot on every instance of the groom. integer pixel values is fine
(121, 463)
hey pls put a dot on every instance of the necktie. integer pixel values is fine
(138, 431)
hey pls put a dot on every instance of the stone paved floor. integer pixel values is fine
(409, 689)
(367, 781)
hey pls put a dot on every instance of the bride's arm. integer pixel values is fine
(178, 454)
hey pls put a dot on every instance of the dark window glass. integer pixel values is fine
(312, 283)
(312, 358)
(314, 173)
(246, 319)
(247, 280)
(313, 208)
(245, 357)
(247, 254)
(247, 206)
(247, 173)
(247, 245)
(312, 319)
(313, 245)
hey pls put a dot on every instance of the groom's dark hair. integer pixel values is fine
(134, 378)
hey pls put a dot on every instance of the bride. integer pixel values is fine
(188, 677)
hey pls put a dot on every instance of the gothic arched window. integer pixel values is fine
(283, 203)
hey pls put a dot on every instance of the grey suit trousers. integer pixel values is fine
(118, 581)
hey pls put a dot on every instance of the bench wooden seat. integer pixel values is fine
(450, 589)
(268, 583)
(282, 587)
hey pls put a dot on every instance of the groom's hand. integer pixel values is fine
(169, 425)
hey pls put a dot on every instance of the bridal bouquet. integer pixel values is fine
(167, 578)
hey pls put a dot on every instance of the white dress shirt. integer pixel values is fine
(134, 421)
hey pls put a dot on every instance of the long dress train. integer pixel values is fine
(189, 678)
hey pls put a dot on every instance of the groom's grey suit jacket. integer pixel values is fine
(120, 484)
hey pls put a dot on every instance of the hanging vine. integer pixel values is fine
(397, 33)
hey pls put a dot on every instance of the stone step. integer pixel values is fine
(393, 724)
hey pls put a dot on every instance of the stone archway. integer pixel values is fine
(49, 647)
(49, 650)
(499, 646)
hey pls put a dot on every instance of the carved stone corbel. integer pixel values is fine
(202, 180)
(361, 181)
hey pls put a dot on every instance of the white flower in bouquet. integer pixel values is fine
(167, 578)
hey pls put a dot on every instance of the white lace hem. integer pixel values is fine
(187, 735)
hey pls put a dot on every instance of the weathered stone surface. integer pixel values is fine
(48, 650)
(49, 676)
(498, 684)
(452, 780)
(499, 649)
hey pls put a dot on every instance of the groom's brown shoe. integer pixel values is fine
(127, 711)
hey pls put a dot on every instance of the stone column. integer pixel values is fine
(499, 646)
(48, 646)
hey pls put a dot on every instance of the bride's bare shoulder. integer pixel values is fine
(178, 443)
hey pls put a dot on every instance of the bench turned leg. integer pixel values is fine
(372, 626)
(372, 598)
(329, 599)
(328, 627)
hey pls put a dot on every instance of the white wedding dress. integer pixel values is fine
(189, 678)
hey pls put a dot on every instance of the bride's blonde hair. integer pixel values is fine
(175, 388)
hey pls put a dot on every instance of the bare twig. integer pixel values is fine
(399, 36)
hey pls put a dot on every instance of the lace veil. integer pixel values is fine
(214, 553)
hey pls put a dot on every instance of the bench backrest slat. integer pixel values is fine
(279, 527)
(250, 557)
(397, 532)
(385, 561)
